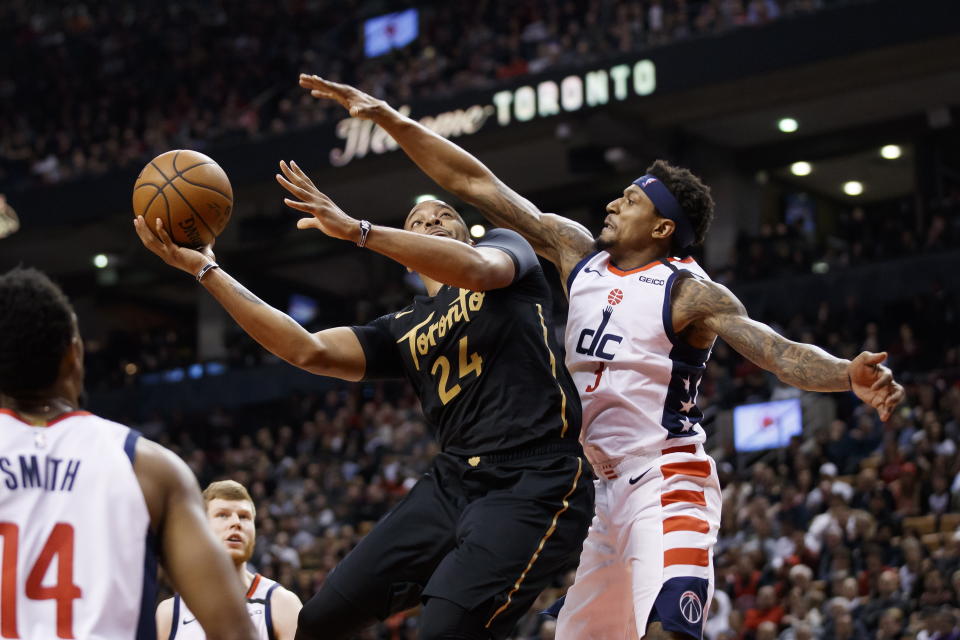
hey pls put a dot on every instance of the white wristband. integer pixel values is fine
(365, 227)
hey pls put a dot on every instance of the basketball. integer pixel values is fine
(189, 192)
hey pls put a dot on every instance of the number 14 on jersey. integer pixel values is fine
(59, 545)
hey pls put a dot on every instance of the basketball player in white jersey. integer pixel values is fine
(642, 322)
(87, 505)
(272, 609)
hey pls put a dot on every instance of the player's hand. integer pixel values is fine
(326, 216)
(159, 242)
(359, 104)
(874, 384)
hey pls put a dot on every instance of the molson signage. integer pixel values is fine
(523, 104)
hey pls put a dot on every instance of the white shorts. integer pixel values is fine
(649, 553)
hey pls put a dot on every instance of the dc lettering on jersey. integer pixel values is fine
(600, 344)
(39, 472)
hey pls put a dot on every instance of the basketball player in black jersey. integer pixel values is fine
(507, 502)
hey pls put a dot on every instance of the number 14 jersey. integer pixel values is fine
(76, 562)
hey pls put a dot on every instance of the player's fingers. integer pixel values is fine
(300, 173)
(286, 170)
(311, 81)
(146, 236)
(308, 223)
(163, 235)
(296, 175)
(300, 206)
(296, 190)
(885, 378)
(875, 358)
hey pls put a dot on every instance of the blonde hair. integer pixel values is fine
(228, 490)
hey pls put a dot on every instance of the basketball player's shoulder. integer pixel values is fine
(695, 297)
(285, 608)
(95, 430)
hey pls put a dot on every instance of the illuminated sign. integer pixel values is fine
(523, 104)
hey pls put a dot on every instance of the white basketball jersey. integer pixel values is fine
(184, 625)
(74, 526)
(637, 380)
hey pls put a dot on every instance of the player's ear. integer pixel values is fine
(664, 228)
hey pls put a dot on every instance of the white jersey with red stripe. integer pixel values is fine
(78, 558)
(184, 625)
(637, 380)
(649, 552)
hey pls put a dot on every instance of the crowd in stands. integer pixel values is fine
(88, 87)
(856, 236)
(851, 532)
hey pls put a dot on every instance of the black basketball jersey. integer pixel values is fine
(485, 364)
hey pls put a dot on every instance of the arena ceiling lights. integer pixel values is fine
(788, 125)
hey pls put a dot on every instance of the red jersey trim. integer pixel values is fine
(253, 586)
(620, 272)
(50, 423)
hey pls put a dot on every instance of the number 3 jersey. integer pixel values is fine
(484, 364)
(637, 379)
(74, 531)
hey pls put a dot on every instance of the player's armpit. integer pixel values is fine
(285, 607)
(707, 305)
(560, 240)
(195, 563)
(164, 618)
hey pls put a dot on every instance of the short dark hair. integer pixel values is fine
(694, 197)
(36, 328)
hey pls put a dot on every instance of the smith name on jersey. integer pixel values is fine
(77, 557)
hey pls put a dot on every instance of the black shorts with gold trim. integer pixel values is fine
(488, 533)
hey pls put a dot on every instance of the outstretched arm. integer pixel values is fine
(558, 239)
(332, 352)
(708, 307)
(445, 260)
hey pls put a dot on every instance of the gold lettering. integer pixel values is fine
(476, 300)
(459, 310)
(422, 345)
(411, 338)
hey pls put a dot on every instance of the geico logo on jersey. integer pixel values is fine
(652, 280)
(599, 341)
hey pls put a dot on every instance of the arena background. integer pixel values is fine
(850, 531)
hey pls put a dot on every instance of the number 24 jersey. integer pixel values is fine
(485, 365)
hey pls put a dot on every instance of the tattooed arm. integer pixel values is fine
(332, 352)
(558, 239)
(703, 309)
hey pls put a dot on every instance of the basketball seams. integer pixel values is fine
(169, 219)
(189, 204)
(159, 190)
(170, 163)
(203, 186)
